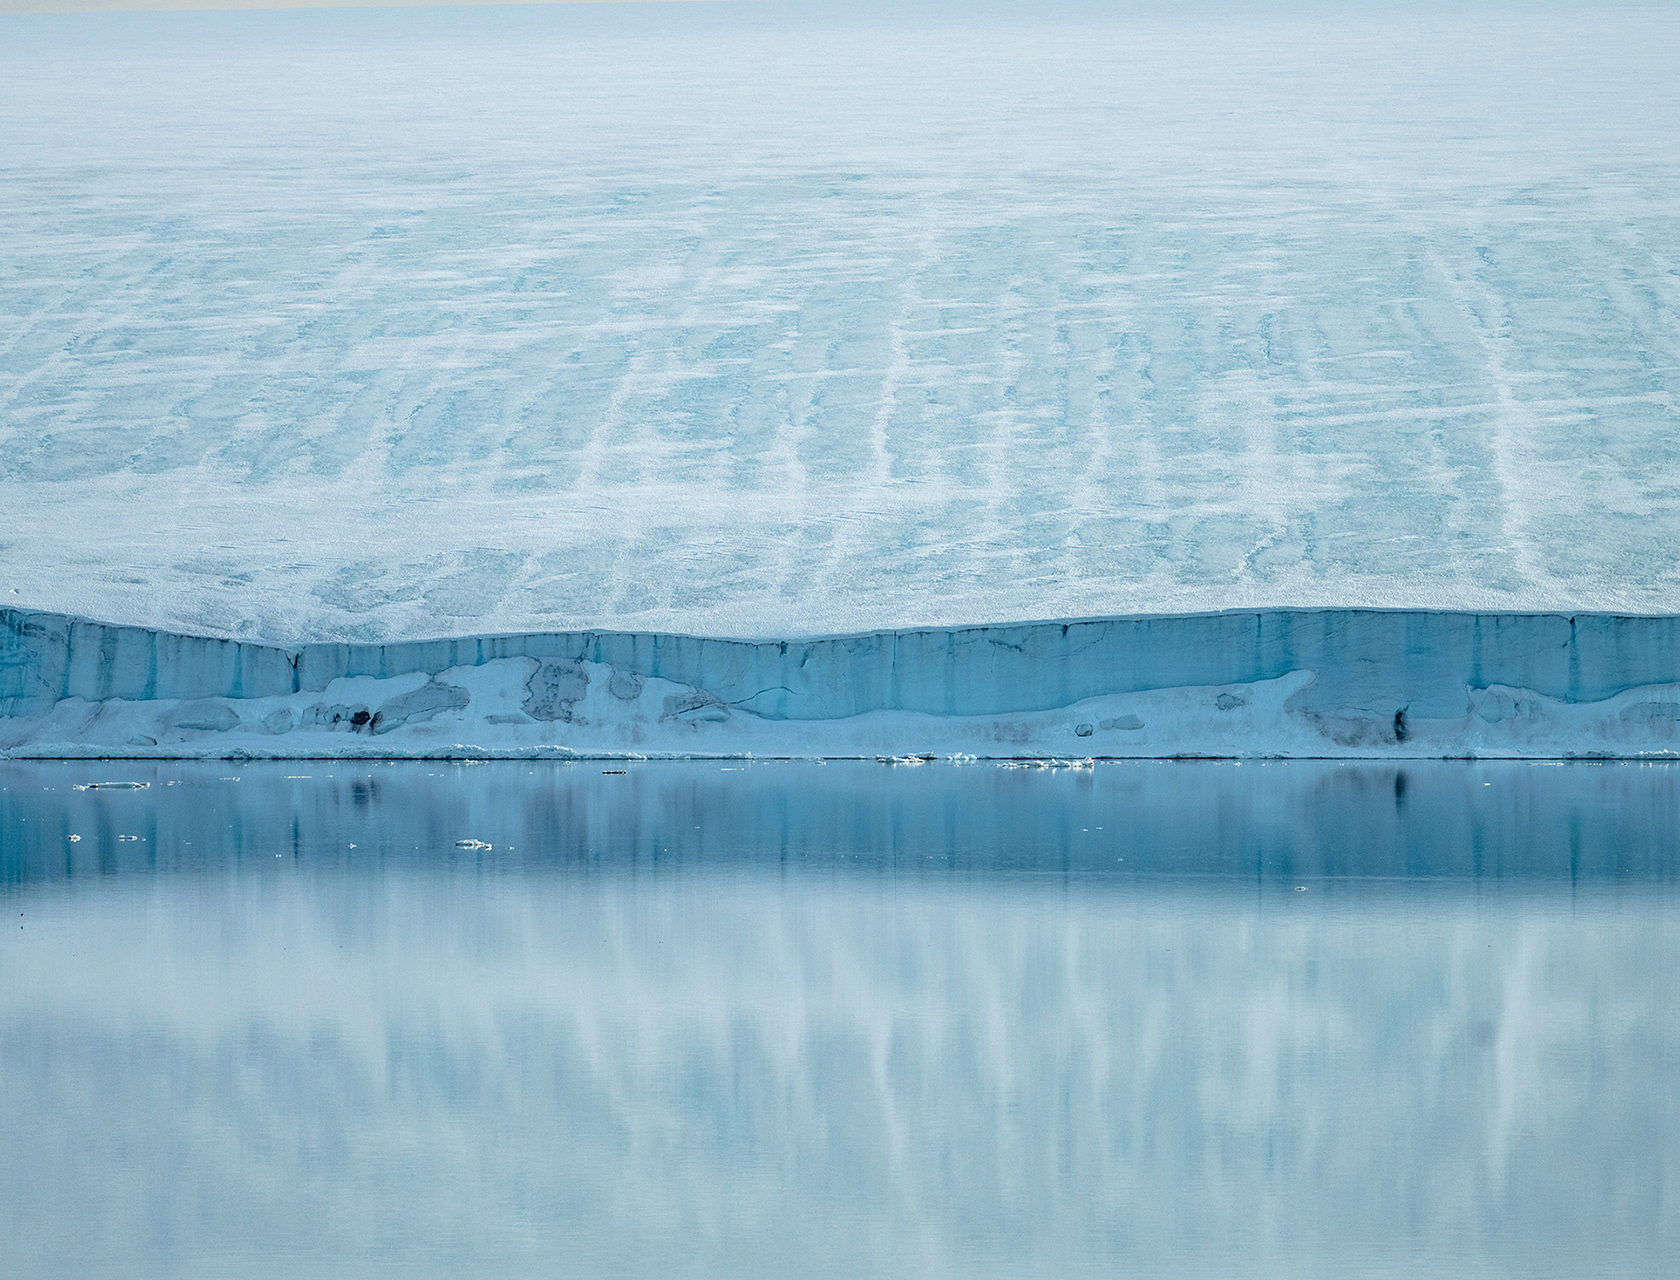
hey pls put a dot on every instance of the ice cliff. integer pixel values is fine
(1318, 683)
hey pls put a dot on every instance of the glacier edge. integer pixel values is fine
(1267, 683)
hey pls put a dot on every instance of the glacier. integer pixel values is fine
(766, 321)
(1348, 339)
(1268, 683)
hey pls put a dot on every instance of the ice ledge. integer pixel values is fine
(1283, 682)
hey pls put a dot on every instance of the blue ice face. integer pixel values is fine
(375, 327)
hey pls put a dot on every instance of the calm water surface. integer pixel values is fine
(844, 1020)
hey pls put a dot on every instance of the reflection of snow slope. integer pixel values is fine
(836, 1075)
(1275, 683)
(532, 321)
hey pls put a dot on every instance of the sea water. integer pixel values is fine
(733, 1019)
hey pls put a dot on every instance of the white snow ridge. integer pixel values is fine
(609, 325)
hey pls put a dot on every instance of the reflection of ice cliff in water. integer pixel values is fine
(754, 1073)
(1279, 682)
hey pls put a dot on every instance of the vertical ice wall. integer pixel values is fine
(1330, 681)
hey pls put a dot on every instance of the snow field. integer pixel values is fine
(375, 327)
